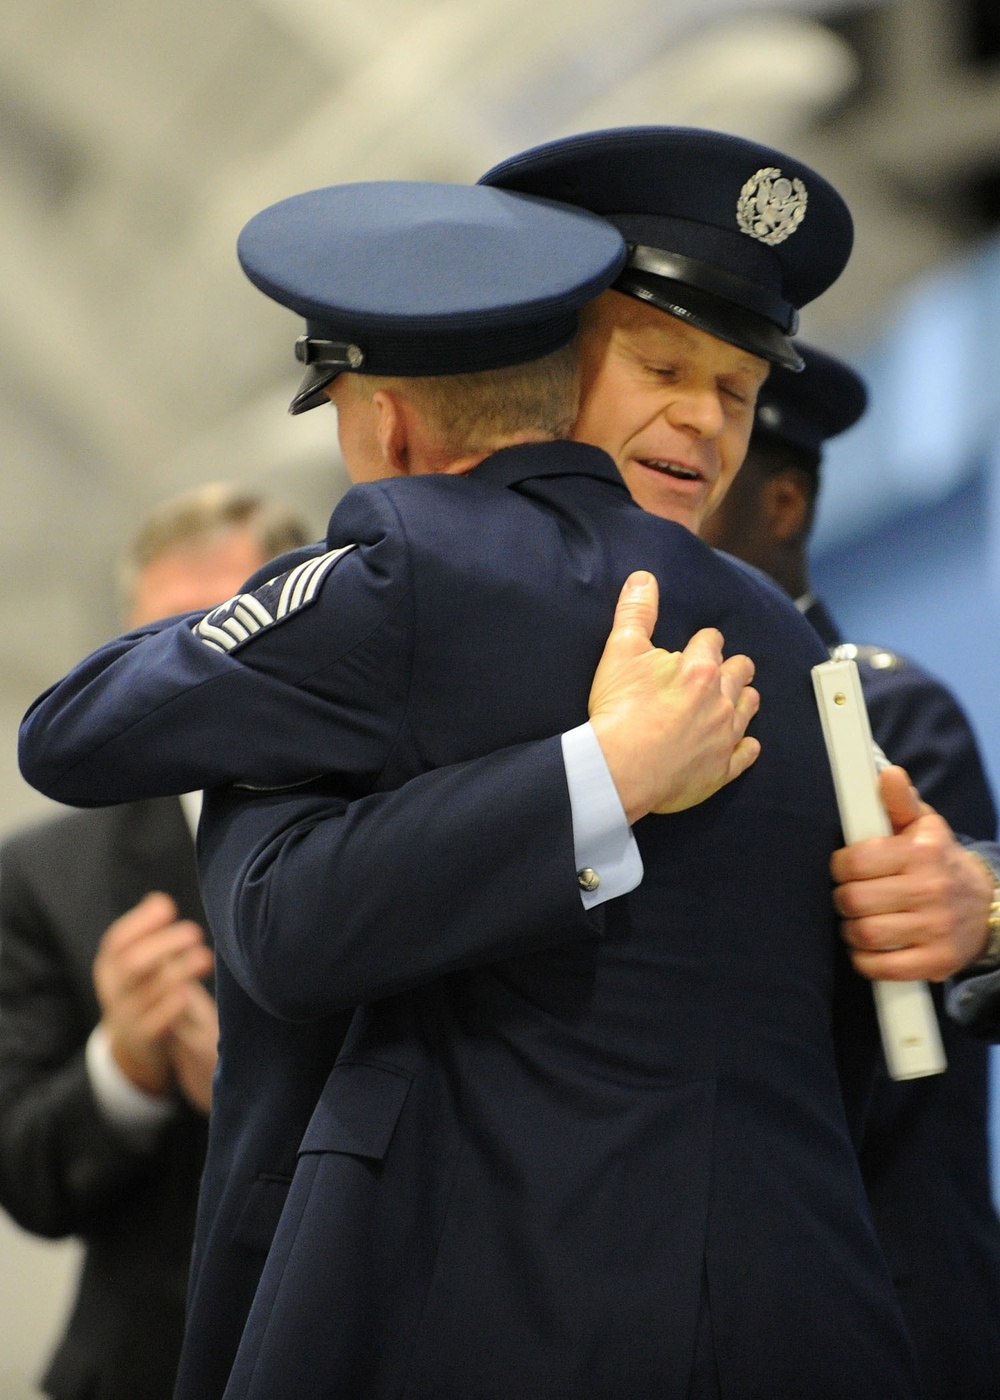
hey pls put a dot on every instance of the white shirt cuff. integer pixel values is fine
(136, 1114)
(608, 863)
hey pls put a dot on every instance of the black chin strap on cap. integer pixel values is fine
(740, 312)
(326, 359)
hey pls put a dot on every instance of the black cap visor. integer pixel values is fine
(326, 359)
(310, 393)
(734, 324)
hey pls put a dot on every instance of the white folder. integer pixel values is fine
(911, 1036)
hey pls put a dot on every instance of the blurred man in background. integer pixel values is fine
(925, 1153)
(107, 1031)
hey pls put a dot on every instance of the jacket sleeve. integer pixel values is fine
(973, 999)
(62, 1165)
(270, 689)
(319, 903)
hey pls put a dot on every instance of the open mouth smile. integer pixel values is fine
(673, 469)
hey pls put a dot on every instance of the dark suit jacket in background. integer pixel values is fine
(63, 1169)
(925, 1154)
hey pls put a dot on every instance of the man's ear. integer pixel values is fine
(785, 500)
(392, 429)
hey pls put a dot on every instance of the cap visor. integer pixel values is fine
(310, 392)
(734, 324)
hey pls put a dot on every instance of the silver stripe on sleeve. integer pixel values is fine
(244, 616)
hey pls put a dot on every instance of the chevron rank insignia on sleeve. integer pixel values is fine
(242, 617)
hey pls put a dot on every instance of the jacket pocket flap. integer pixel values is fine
(357, 1110)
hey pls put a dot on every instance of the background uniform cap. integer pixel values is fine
(805, 409)
(725, 233)
(406, 278)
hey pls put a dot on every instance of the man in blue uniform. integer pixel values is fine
(917, 905)
(563, 1151)
(925, 1156)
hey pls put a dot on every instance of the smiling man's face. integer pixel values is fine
(671, 404)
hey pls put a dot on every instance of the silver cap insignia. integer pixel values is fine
(771, 207)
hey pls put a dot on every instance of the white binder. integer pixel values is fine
(911, 1036)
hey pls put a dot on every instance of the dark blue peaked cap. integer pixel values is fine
(725, 233)
(406, 278)
(805, 409)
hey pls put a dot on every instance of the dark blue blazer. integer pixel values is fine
(925, 1155)
(560, 1154)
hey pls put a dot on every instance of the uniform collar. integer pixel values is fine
(512, 465)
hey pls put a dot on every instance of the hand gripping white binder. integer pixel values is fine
(911, 1037)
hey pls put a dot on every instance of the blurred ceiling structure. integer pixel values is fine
(136, 138)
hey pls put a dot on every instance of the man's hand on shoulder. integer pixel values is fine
(671, 725)
(915, 905)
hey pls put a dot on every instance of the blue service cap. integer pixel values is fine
(805, 409)
(408, 278)
(725, 233)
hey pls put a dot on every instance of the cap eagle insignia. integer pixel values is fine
(771, 207)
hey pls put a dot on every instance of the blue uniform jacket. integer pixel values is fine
(925, 1154)
(560, 1153)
